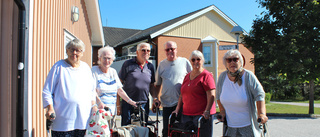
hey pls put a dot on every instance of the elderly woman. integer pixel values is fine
(69, 93)
(240, 97)
(108, 84)
(197, 95)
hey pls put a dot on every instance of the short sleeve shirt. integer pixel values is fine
(194, 95)
(170, 75)
(107, 86)
(137, 80)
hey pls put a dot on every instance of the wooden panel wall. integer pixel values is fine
(8, 67)
(208, 24)
(51, 18)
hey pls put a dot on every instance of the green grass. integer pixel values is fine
(289, 109)
(298, 101)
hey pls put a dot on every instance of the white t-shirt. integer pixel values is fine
(71, 91)
(235, 102)
(171, 74)
(107, 86)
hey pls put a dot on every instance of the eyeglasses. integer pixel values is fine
(145, 50)
(168, 49)
(193, 60)
(77, 50)
(232, 59)
(107, 58)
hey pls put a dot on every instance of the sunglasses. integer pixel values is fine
(145, 50)
(193, 60)
(168, 49)
(229, 60)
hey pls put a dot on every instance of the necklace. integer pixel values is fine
(193, 75)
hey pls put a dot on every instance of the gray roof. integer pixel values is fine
(113, 36)
(144, 34)
(129, 36)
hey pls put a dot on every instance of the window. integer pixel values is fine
(207, 53)
(67, 37)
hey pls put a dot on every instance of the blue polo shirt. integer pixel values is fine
(137, 80)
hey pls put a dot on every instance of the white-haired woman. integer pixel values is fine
(69, 93)
(197, 95)
(108, 84)
(240, 97)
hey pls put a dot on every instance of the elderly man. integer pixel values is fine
(170, 74)
(137, 74)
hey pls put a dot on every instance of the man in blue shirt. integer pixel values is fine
(138, 77)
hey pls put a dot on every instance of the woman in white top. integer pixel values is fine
(69, 93)
(108, 84)
(240, 97)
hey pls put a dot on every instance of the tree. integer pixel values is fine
(285, 41)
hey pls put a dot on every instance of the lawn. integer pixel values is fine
(289, 109)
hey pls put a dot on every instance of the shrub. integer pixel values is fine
(268, 97)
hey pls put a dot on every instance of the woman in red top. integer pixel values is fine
(197, 95)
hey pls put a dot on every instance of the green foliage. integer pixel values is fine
(285, 43)
(268, 97)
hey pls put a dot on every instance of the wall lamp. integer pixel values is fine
(74, 14)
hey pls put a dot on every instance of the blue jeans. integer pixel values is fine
(127, 110)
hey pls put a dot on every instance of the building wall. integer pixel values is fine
(208, 24)
(8, 67)
(50, 19)
(243, 50)
(185, 46)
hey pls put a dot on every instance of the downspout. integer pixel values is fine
(21, 53)
(155, 51)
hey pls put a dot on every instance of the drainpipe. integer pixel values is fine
(21, 53)
(155, 47)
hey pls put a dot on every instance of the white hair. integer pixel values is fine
(197, 53)
(76, 43)
(142, 44)
(231, 53)
(106, 49)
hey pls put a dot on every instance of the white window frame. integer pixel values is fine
(67, 38)
(210, 46)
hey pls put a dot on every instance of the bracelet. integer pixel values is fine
(155, 98)
(262, 113)
(207, 111)
(119, 106)
(94, 105)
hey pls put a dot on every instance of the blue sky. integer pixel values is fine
(142, 14)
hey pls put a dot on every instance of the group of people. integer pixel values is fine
(72, 90)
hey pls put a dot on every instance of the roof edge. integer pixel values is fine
(94, 16)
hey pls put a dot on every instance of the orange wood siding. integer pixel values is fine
(50, 19)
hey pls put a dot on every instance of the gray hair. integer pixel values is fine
(106, 49)
(143, 44)
(231, 53)
(76, 43)
(197, 53)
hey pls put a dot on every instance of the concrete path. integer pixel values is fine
(294, 103)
